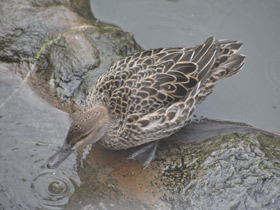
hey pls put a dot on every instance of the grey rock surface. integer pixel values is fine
(69, 51)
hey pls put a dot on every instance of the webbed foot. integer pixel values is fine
(144, 153)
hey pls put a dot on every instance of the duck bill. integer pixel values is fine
(55, 160)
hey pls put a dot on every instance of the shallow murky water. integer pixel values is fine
(29, 128)
(252, 96)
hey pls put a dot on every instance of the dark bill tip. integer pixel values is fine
(55, 160)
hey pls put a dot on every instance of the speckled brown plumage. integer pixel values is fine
(152, 94)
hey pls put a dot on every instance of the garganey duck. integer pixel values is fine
(149, 96)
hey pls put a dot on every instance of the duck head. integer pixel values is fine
(86, 129)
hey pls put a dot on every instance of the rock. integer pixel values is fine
(234, 171)
(78, 58)
(68, 51)
(27, 25)
(227, 172)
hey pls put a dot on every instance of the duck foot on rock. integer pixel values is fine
(144, 153)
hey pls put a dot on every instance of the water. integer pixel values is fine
(252, 96)
(30, 130)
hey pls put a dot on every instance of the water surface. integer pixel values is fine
(30, 130)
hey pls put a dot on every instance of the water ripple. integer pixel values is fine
(52, 190)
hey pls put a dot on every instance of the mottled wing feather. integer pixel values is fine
(167, 120)
(160, 78)
(157, 125)
(151, 94)
(149, 80)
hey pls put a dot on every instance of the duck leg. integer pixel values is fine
(144, 153)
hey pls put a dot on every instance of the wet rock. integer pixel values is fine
(70, 51)
(234, 171)
(78, 58)
(26, 25)
(228, 172)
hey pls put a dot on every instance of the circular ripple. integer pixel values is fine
(52, 190)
